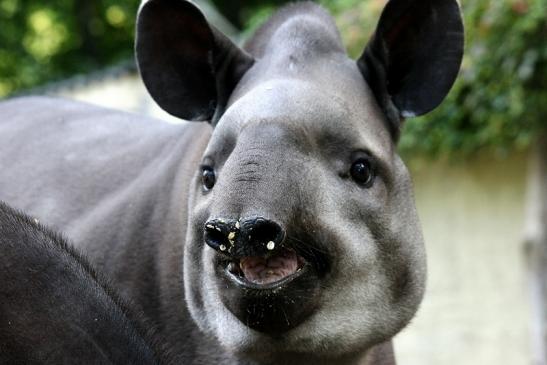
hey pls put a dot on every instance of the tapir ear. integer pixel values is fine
(414, 56)
(189, 67)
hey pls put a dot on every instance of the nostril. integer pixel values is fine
(220, 233)
(217, 240)
(266, 231)
(250, 237)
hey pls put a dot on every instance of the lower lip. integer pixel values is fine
(246, 284)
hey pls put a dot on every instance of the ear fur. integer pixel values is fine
(189, 67)
(413, 58)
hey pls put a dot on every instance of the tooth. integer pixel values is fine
(237, 225)
(231, 236)
(222, 248)
(271, 245)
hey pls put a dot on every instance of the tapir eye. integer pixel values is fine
(361, 171)
(208, 177)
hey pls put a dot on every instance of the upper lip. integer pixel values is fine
(272, 253)
(265, 277)
(309, 258)
(240, 279)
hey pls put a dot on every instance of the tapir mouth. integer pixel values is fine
(259, 271)
(271, 281)
(272, 292)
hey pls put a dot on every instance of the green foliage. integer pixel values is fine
(499, 102)
(42, 41)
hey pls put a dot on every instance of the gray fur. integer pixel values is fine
(128, 190)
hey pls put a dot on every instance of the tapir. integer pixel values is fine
(283, 230)
(56, 309)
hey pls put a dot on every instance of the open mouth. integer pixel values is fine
(270, 287)
(270, 280)
(270, 293)
(266, 271)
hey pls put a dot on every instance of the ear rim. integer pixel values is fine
(219, 57)
(375, 58)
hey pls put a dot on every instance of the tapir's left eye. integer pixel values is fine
(361, 172)
(208, 177)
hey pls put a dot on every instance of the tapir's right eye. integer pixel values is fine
(208, 177)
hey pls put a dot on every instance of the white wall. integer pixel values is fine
(476, 307)
(126, 92)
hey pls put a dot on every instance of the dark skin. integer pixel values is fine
(54, 308)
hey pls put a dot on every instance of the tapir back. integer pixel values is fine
(103, 178)
(54, 307)
(61, 160)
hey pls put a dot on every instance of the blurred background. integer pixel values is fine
(479, 162)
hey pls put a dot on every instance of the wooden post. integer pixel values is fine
(536, 248)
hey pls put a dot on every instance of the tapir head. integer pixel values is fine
(303, 235)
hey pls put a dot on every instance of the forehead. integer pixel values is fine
(344, 115)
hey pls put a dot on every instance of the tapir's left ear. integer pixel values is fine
(414, 56)
(189, 67)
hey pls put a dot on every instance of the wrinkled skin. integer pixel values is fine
(255, 239)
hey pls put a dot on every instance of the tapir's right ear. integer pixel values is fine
(189, 67)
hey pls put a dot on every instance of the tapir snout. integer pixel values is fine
(255, 236)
